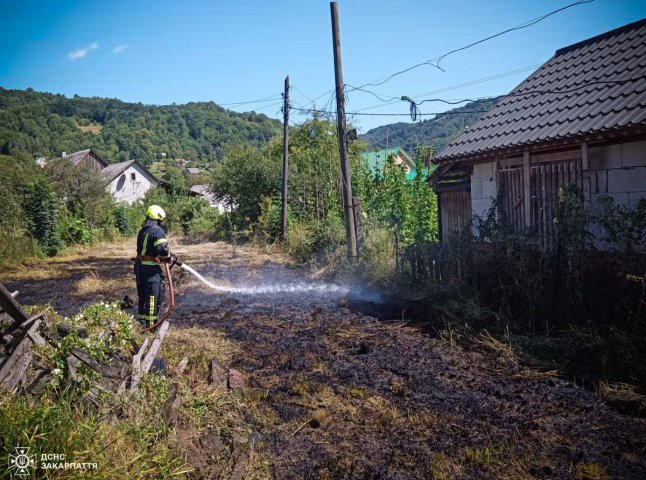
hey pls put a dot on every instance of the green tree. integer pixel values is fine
(42, 213)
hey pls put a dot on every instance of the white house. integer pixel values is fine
(129, 181)
(203, 191)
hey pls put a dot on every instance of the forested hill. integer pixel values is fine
(45, 124)
(437, 131)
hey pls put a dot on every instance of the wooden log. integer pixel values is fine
(72, 363)
(12, 335)
(136, 369)
(13, 295)
(154, 347)
(15, 366)
(11, 306)
(86, 359)
(39, 383)
(16, 376)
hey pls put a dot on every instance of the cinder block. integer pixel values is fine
(476, 189)
(626, 180)
(635, 197)
(633, 154)
(483, 171)
(489, 189)
(480, 208)
(620, 198)
(604, 157)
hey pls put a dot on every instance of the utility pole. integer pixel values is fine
(283, 213)
(346, 174)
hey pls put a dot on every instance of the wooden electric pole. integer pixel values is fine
(283, 212)
(346, 174)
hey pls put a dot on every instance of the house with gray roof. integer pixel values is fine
(126, 181)
(129, 181)
(580, 119)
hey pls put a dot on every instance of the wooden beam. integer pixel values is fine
(136, 369)
(584, 156)
(526, 190)
(9, 305)
(154, 347)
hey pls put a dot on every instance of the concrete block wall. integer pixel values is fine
(483, 189)
(618, 171)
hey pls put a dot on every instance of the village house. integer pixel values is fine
(376, 161)
(127, 181)
(579, 120)
(193, 171)
(204, 192)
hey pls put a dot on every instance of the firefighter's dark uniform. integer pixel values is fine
(152, 249)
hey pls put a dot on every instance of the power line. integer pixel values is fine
(311, 110)
(260, 100)
(302, 94)
(455, 87)
(415, 112)
(437, 60)
(518, 27)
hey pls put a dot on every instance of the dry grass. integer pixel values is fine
(591, 471)
(93, 283)
(620, 392)
(489, 344)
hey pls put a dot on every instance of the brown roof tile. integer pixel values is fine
(576, 105)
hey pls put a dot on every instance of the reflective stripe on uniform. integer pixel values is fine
(149, 263)
(151, 310)
(160, 241)
(143, 248)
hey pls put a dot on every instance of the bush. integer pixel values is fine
(75, 231)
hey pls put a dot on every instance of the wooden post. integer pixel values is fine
(346, 174)
(283, 212)
(584, 156)
(11, 306)
(527, 194)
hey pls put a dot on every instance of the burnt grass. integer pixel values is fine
(341, 387)
(343, 394)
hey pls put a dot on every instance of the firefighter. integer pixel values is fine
(152, 250)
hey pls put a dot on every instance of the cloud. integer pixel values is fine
(120, 48)
(82, 52)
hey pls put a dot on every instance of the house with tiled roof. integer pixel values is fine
(127, 181)
(580, 119)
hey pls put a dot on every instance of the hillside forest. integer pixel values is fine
(46, 124)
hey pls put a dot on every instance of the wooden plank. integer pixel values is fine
(136, 369)
(527, 189)
(14, 368)
(154, 347)
(11, 306)
(584, 156)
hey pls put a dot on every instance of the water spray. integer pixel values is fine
(298, 287)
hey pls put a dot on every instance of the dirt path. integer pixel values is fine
(336, 393)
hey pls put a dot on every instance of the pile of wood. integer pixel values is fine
(22, 371)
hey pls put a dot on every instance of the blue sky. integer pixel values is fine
(160, 52)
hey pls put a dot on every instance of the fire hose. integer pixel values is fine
(171, 304)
